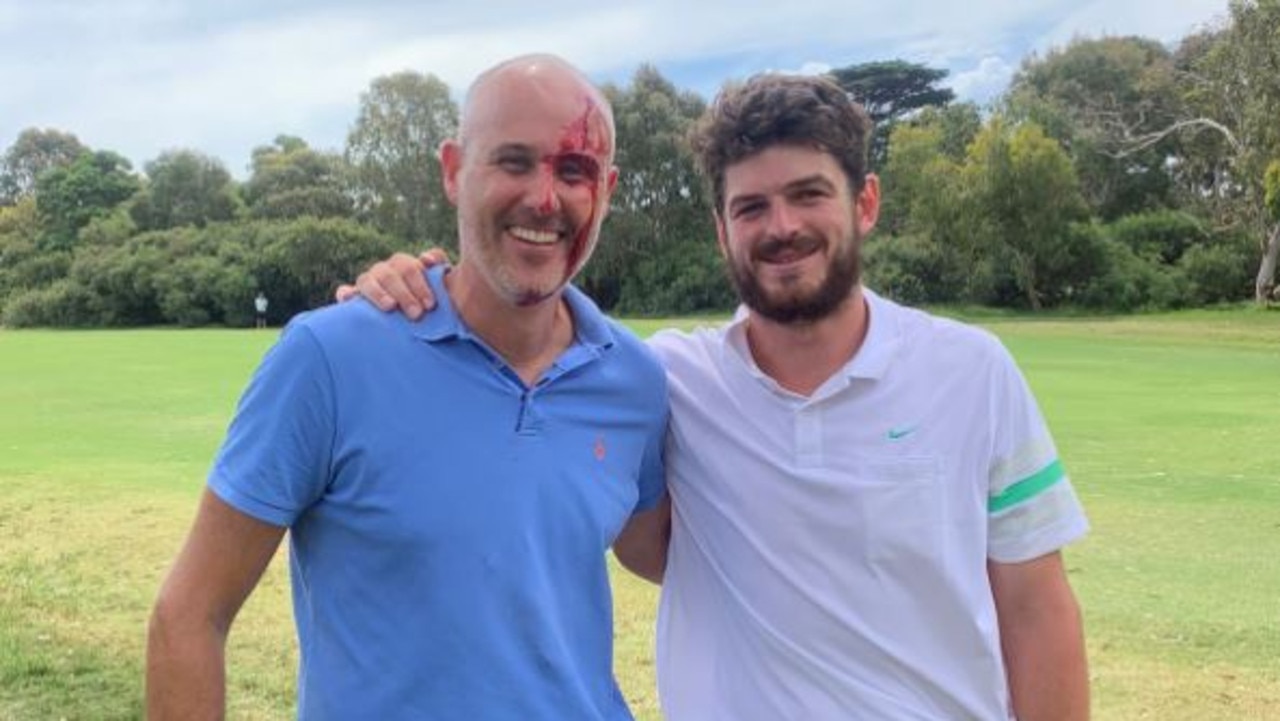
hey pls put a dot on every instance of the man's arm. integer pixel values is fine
(222, 561)
(396, 283)
(641, 547)
(1042, 638)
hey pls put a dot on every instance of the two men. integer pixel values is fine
(450, 486)
(868, 506)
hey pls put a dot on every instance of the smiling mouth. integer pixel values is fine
(532, 235)
(789, 256)
(785, 258)
(784, 253)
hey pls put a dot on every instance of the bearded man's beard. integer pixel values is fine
(796, 306)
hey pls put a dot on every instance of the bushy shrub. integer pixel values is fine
(913, 269)
(63, 303)
(1127, 281)
(680, 279)
(302, 261)
(1220, 271)
(1159, 235)
(38, 269)
(201, 290)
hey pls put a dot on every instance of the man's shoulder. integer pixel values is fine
(596, 328)
(345, 326)
(674, 344)
(638, 356)
(947, 339)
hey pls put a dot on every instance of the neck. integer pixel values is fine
(528, 337)
(802, 356)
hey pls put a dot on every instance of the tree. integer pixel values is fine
(925, 153)
(1023, 197)
(1093, 96)
(1231, 88)
(68, 197)
(923, 252)
(20, 220)
(289, 180)
(1245, 69)
(185, 187)
(1267, 271)
(34, 152)
(891, 90)
(19, 228)
(392, 152)
(303, 259)
(658, 254)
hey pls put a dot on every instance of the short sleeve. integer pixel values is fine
(275, 460)
(1032, 505)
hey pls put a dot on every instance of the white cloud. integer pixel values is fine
(1166, 21)
(140, 76)
(984, 82)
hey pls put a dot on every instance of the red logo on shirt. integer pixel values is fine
(599, 450)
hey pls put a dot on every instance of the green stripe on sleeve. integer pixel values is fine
(1028, 487)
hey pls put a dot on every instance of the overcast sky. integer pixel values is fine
(223, 76)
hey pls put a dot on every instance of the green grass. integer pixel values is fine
(1169, 425)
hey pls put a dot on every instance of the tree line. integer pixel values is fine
(1115, 173)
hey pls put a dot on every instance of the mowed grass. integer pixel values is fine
(1169, 426)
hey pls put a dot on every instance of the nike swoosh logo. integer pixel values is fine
(895, 434)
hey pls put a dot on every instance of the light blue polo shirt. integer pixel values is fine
(448, 525)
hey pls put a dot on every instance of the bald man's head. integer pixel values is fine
(543, 73)
(531, 174)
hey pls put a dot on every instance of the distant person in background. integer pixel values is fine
(868, 506)
(260, 309)
(450, 486)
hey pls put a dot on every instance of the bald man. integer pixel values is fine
(449, 486)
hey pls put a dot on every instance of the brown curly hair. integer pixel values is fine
(776, 109)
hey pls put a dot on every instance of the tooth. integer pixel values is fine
(535, 236)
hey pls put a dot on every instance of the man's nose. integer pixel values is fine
(784, 221)
(543, 197)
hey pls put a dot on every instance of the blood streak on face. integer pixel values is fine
(584, 146)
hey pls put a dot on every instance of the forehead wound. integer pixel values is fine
(590, 130)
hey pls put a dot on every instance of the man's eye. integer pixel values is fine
(747, 210)
(575, 169)
(514, 164)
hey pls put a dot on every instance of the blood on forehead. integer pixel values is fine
(588, 133)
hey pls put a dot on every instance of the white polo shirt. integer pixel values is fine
(829, 554)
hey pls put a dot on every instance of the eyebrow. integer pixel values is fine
(512, 149)
(818, 179)
(815, 180)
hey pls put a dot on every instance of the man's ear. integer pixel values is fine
(450, 155)
(612, 181)
(868, 204)
(722, 235)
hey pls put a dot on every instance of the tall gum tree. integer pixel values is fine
(391, 149)
(1230, 78)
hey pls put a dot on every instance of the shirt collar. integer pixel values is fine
(591, 329)
(873, 358)
(443, 322)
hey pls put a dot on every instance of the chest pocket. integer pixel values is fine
(898, 510)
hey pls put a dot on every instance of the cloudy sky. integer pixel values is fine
(222, 76)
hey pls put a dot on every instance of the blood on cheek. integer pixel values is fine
(572, 169)
(579, 246)
(582, 146)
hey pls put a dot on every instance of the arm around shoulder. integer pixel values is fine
(1043, 639)
(220, 564)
